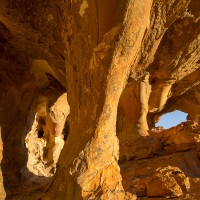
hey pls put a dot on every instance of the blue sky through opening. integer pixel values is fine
(172, 119)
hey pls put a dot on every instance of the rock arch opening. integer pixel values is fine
(171, 119)
(146, 50)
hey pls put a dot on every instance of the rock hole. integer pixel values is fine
(40, 132)
(171, 119)
(66, 130)
(154, 80)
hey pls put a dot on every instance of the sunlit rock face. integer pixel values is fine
(46, 138)
(83, 83)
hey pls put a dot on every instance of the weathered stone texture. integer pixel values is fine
(83, 83)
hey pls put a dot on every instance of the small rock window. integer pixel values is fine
(40, 132)
(171, 119)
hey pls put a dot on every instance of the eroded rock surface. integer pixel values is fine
(46, 138)
(117, 67)
(172, 171)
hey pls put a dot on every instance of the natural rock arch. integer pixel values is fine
(122, 65)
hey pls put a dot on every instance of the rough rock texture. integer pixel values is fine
(116, 66)
(2, 191)
(172, 171)
(46, 139)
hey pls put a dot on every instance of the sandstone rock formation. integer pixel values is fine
(46, 139)
(83, 83)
